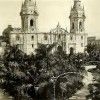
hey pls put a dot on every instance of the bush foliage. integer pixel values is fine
(29, 76)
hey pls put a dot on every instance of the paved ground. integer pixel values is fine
(81, 94)
(4, 97)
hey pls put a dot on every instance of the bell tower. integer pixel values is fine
(77, 18)
(29, 16)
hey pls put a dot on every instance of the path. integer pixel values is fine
(88, 78)
(4, 97)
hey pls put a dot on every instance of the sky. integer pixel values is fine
(50, 13)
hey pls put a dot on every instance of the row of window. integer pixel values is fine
(71, 37)
(82, 45)
(32, 45)
(18, 38)
(21, 46)
(46, 37)
(32, 37)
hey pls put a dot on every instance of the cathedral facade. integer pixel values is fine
(27, 38)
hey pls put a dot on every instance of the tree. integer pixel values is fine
(13, 76)
(6, 34)
(94, 52)
(30, 75)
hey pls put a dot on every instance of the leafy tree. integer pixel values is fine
(94, 52)
(30, 75)
(6, 34)
(91, 48)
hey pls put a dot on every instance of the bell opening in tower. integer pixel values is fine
(31, 22)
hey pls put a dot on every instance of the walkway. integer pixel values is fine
(4, 97)
(81, 94)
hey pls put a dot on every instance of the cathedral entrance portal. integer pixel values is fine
(71, 50)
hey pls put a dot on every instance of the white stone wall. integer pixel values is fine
(28, 42)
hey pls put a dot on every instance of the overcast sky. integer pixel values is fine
(50, 13)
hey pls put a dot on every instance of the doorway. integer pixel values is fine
(71, 50)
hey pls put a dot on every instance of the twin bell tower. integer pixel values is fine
(29, 16)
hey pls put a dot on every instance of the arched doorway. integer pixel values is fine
(60, 48)
(71, 50)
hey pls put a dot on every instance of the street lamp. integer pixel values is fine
(53, 80)
(63, 87)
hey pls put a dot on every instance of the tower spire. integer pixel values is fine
(35, 8)
(22, 5)
(28, 2)
(35, 5)
(77, 4)
(76, 0)
(58, 25)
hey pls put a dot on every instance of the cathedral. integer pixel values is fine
(27, 38)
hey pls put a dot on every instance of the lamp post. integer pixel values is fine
(54, 80)
(63, 87)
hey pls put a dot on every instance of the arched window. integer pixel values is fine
(71, 50)
(81, 44)
(32, 45)
(81, 37)
(45, 37)
(31, 22)
(32, 38)
(71, 37)
(17, 38)
(72, 25)
(80, 25)
(59, 36)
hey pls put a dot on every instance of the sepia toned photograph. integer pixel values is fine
(49, 50)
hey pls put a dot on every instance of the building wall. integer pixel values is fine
(94, 41)
(29, 42)
(91, 40)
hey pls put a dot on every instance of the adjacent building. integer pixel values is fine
(93, 41)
